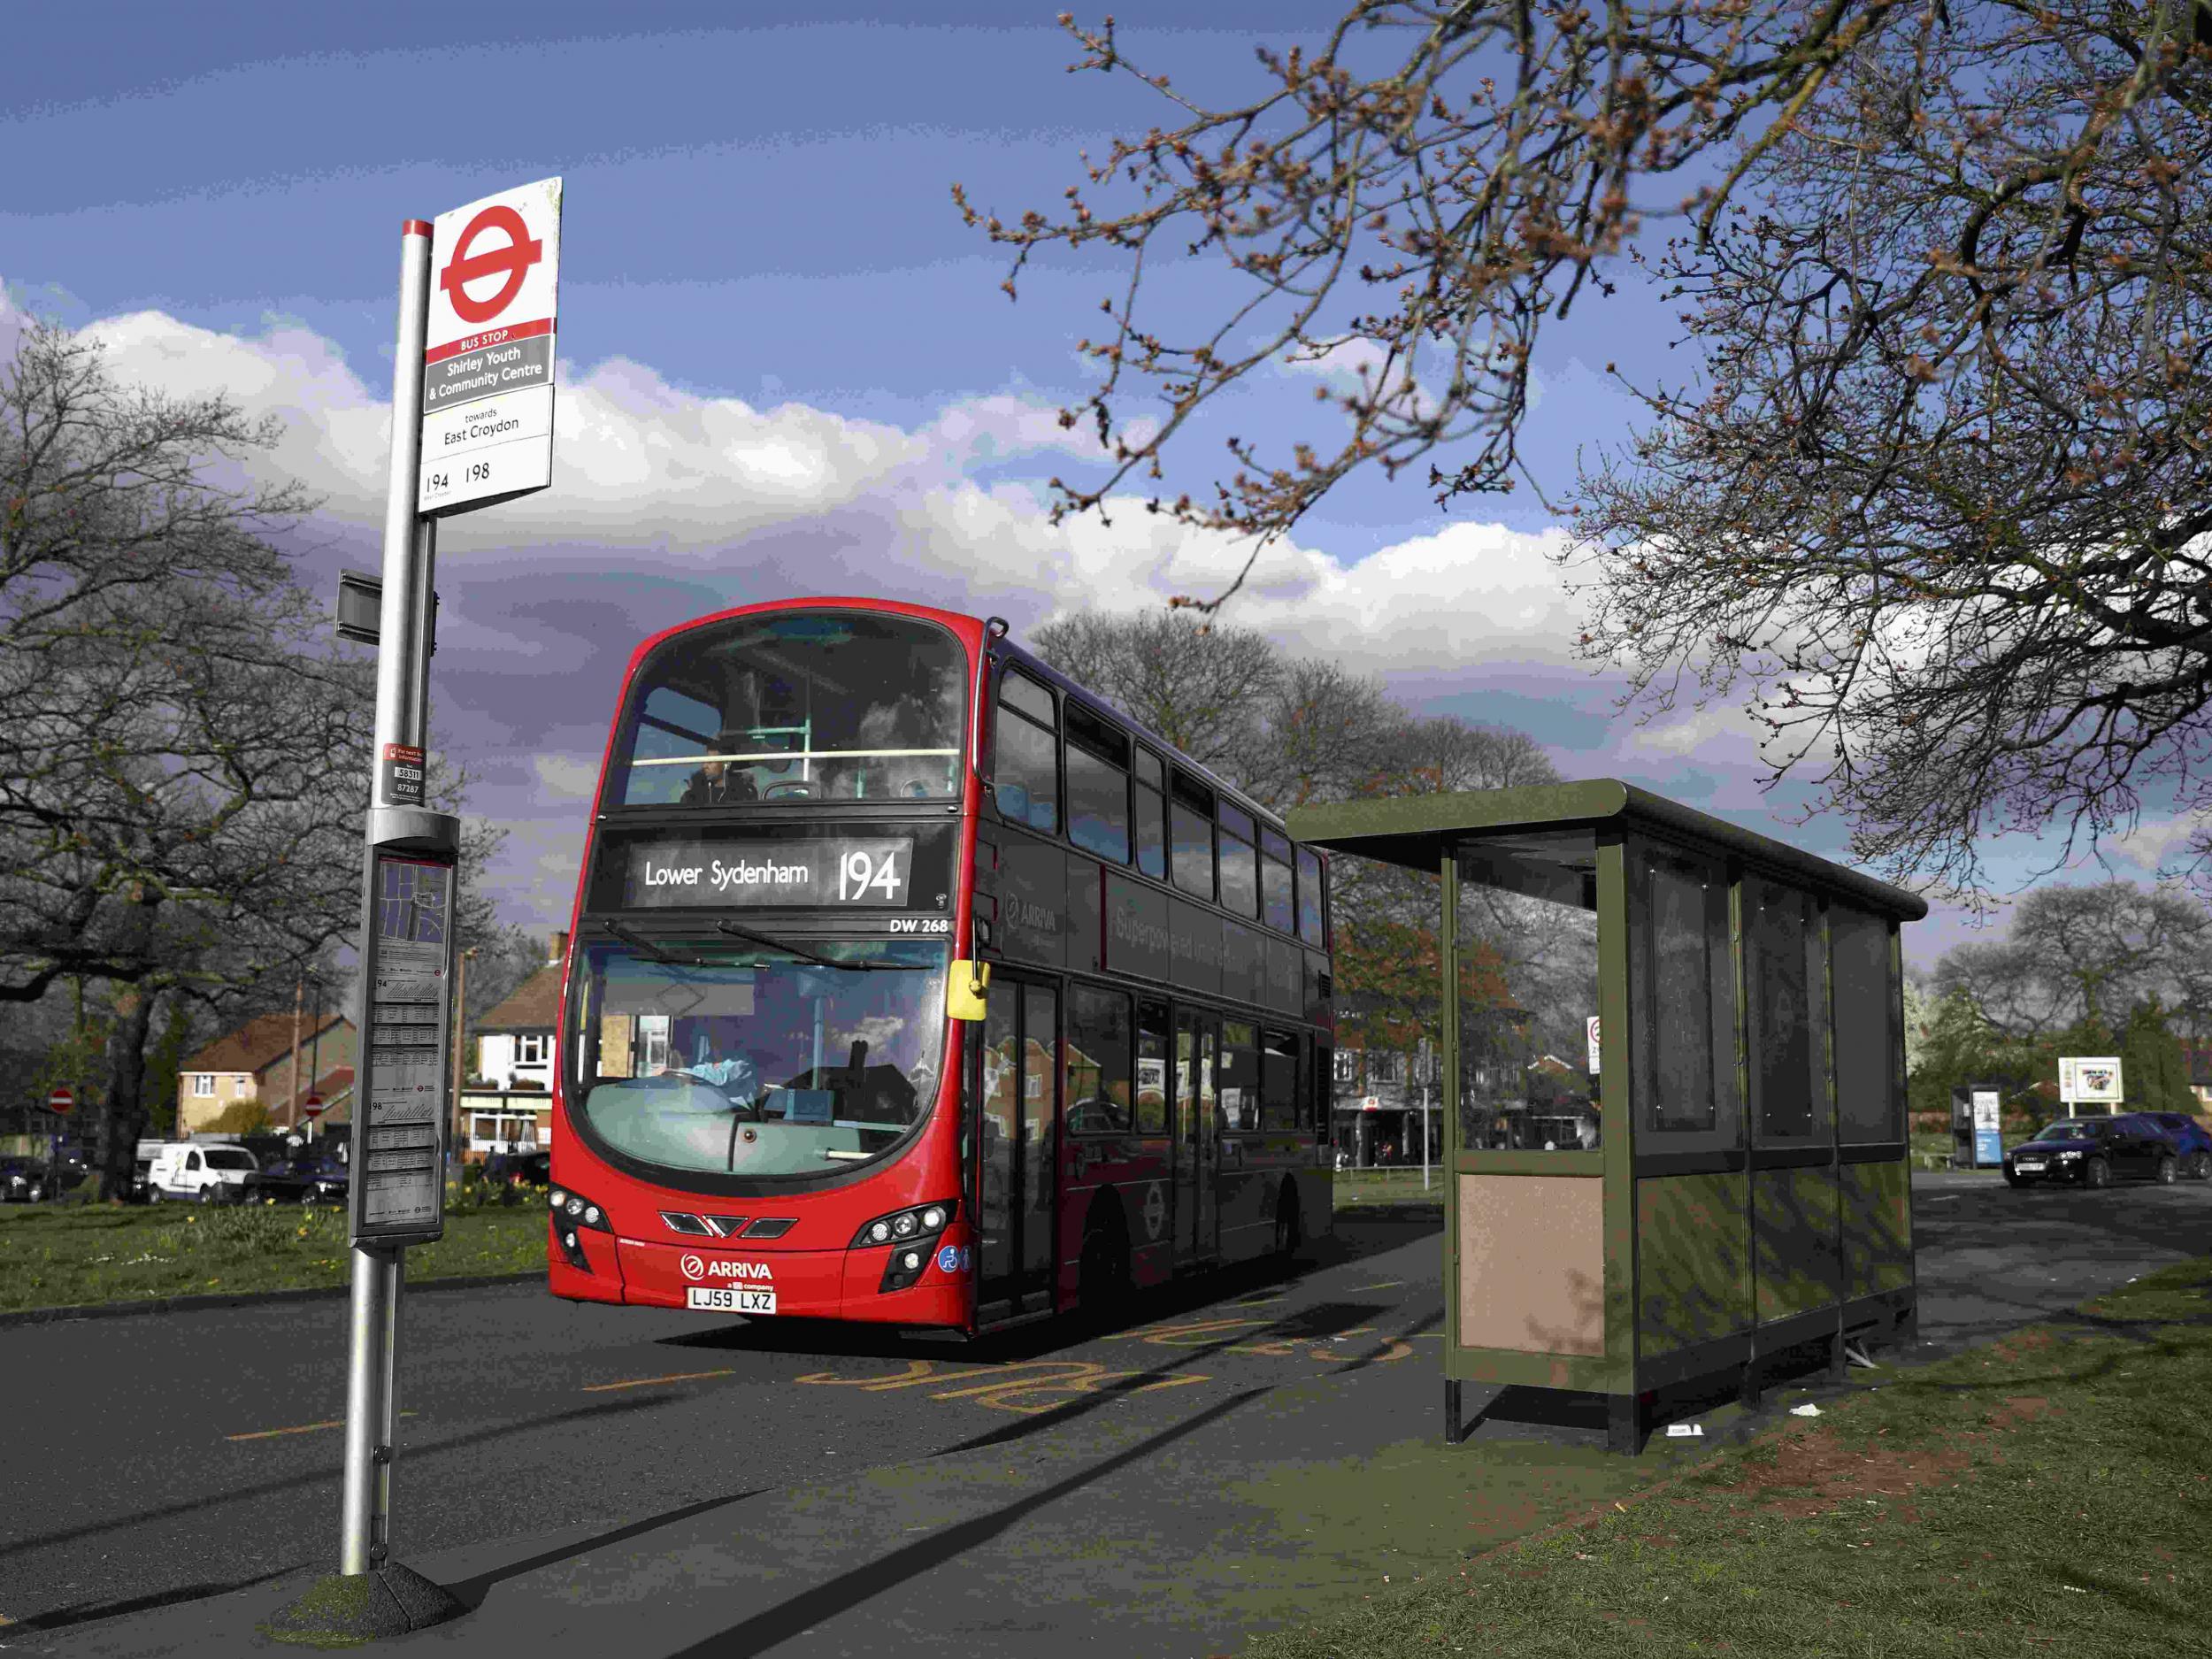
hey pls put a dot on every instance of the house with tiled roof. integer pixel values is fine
(508, 1100)
(255, 1062)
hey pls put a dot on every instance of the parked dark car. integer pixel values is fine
(2094, 1152)
(304, 1180)
(2191, 1140)
(26, 1180)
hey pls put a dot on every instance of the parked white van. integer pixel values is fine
(206, 1174)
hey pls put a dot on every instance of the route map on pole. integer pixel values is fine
(401, 1176)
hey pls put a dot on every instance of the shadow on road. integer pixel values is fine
(802, 1612)
(318, 1477)
(1353, 1240)
(471, 1591)
(85, 1612)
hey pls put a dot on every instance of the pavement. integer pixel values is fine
(1260, 1453)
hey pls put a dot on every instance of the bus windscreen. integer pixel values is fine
(721, 1057)
(795, 706)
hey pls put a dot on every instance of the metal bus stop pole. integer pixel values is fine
(402, 683)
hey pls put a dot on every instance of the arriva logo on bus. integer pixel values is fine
(697, 1267)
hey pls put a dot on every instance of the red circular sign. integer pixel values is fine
(62, 1099)
(312, 1105)
(512, 261)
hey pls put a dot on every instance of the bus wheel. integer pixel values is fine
(1106, 1279)
(1290, 1232)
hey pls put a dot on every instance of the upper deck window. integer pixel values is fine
(1025, 755)
(837, 705)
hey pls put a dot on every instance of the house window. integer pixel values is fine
(533, 1050)
(240, 1087)
(1348, 1066)
(203, 1085)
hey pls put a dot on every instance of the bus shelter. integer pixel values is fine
(1676, 1050)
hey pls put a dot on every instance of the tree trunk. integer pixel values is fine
(124, 1117)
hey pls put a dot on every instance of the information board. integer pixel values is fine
(398, 1153)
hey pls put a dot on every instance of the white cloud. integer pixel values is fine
(565, 777)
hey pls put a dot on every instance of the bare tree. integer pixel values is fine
(183, 762)
(1418, 220)
(1940, 505)
(1934, 500)
(2085, 955)
(1199, 688)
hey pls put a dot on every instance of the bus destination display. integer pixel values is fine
(843, 872)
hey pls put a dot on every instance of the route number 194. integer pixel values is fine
(861, 873)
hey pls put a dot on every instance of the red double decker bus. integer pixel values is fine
(909, 982)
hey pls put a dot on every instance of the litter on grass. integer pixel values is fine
(1808, 1409)
(1686, 1431)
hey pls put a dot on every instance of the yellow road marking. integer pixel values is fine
(301, 1428)
(1389, 1284)
(648, 1382)
(1028, 1387)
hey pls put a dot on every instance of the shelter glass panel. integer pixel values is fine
(1685, 1015)
(1869, 1104)
(1528, 967)
(1787, 979)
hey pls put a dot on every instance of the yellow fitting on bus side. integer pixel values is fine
(964, 991)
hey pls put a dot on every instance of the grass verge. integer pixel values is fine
(1363, 1189)
(2048, 1495)
(69, 1256)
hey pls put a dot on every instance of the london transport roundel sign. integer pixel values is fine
(63, 1100)
(488, 350)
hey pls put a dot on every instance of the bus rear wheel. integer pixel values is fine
(1290, 1232)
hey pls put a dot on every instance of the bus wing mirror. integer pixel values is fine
(964, 992)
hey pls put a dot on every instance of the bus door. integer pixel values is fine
(1013, 1132)
(1197, 1137)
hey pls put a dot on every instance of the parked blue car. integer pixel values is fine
(2191, 1140)
(2094, 1152)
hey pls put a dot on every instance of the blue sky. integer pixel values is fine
(785, 366)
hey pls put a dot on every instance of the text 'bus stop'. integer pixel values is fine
(1715, 1170)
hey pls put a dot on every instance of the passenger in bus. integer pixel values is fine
(715, 783)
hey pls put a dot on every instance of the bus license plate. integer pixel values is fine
(729, 1299)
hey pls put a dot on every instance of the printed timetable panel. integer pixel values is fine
(399, 1152)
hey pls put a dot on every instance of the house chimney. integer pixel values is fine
(559, 950)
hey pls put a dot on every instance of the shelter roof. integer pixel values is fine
(1417, 831)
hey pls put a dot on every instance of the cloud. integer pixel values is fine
(668, 503)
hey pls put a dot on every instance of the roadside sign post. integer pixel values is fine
(471, 424)
(61, 1102)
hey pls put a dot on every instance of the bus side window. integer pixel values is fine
(1309, 904)
(1275, 880)
(1190, 815)
(1026, 758)
(1278, 1081)
(1151, 817)
(1239, 863)
(1098, 784)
